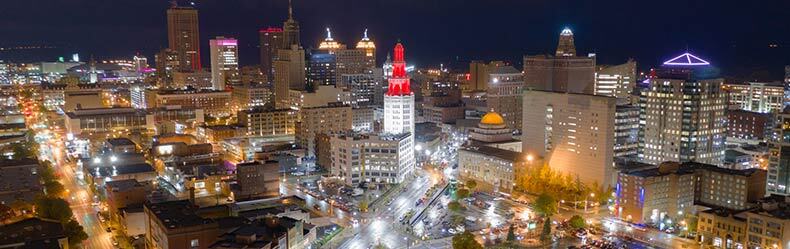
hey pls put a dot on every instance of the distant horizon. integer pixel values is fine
(434, 32)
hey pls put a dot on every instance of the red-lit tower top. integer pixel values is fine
(399, 81)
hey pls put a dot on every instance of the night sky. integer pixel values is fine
(733, 35)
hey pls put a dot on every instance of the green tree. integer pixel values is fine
(462, 193)
(21, 151)
(53, 208)
(511, 233)
(545, 234)
(577, 222)
(465, 240)
(456, 220)
(454, 206)
(54, 189)
(75, 232)
(545, 205)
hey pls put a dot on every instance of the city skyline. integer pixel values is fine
(651, 36)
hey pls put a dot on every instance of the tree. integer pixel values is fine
(545, 205)
(465, 240)
(75, 232)
(53, 208)
(462, 193)
(454, 206)
(511, 234)
(471, 184)
(577, 222)
(54, 189)
(544, 235)
(21, 151)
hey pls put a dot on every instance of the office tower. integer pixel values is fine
(399, 99)
(561, 73)
(479, 75)
(364, 87)
(183, 36)
(322, 69)
(329, 45)
(369, 47)
(565, 46)
(748, 125)
(224, 62)
(261, 121)
(779, 160)
(616, 81)
(249, 95)
(291, 29)
(626, 131)
(756, 96)
(167, 62)
(573, 132)
(683, 115)
(271, 40)
(289, 73)
(504, 94)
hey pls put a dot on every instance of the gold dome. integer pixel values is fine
(492, 118)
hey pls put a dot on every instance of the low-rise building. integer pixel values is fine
(20, 180)
(360, 158)
(216, 133)
(267, 232)
(251, 95)
(257, 180)
(181, 224)
(494, 167)
(722, 228)
(769, 225)
(335, 117)
(661, 194)
(262, 121)
(749, 125)
(214, 103)
(33, 233)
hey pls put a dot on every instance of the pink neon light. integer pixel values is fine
(690, 60)
(227, 42)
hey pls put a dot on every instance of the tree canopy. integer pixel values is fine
(465, 240)
(53, 208)
(545, 205)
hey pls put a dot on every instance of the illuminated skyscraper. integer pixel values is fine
(329, 44)
(682, 114)
(290, 29)
(399, 99)
(289, 73)
(271, 40)
(183, 36)
(565, 46)
(224, 62)
(369, 47)
(563, 72)
(616, 81)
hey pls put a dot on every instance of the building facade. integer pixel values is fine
(616, 81)
(504, 95)
(360, 158)
(335, 117)
(779, 157)
(564, 72)
(573, 132)
(756, 96)
(263, 121)
(183, 36)
(224, 62)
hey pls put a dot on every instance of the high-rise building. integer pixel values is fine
(167, 62)
(756, 97)
(399, 100)
(565, 46)
(291, 29)
(573, 132)
(504, 94)
(271, 40)
(564, 72)
(224, 62)
(289, 73)
(616, 81)
(626, 131)
(364, 87)
(183, 36)
(779, 157)
(250, 95)
(479, 75)
(683, 115)
(367, 45)
(322, 69)
(329, 44)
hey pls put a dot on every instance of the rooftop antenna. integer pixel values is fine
(290, 10)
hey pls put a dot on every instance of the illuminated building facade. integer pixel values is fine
(779, 157)
(271, 40)
(364, 87)
(224, 62)
(167, 62)
(291, 30)
(399, 99)
(251, 95)
(183, 36)
(683, 114)
(322, 69)
(262, 121)
(215, 103)
(757, 97)
(564, 72)
(335, 117)
(573, 132)
(368, 158)
(289, 73)
(504, 94)
(616, 81)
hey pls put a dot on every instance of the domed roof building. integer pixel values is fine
(491, 129)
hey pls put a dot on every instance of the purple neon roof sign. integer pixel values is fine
(686, 59)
